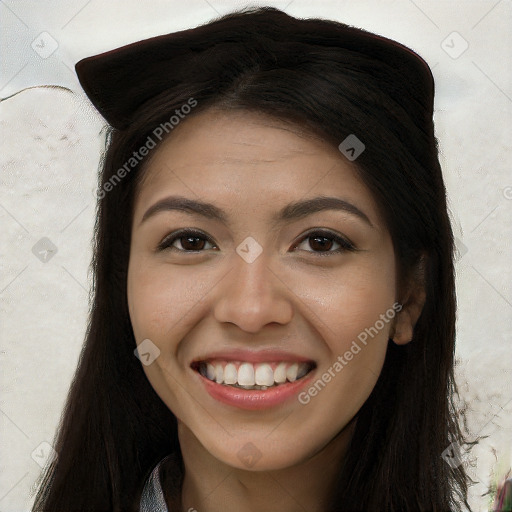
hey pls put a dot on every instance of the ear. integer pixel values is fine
(412, 306)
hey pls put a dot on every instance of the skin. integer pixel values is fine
(292, 298)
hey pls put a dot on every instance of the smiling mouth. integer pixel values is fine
(249, 376)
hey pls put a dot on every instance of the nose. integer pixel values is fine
(252, 295)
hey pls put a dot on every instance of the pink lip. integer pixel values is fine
(247, 356)
(251, 399)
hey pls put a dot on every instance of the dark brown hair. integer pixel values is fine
(115, 428)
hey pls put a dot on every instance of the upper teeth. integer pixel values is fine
(247, 374)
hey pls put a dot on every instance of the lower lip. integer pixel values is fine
(252, 399)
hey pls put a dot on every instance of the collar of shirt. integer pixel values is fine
(152, 499)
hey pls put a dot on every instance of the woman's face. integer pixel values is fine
(272, 284)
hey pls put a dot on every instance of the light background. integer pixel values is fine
(50, 145)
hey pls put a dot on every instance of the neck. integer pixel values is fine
(209, 484)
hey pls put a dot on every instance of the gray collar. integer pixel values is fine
(152, 499)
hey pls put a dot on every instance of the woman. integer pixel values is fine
(274, 309)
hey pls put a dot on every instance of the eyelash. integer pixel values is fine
(345, 245)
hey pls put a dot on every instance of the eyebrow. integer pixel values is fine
(292, 211)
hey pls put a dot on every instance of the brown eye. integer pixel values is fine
(191, 243)
(321, 243)
(324, 241)
(186, 241)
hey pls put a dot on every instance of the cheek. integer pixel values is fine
(350, 301)
(163, 307)
(162, 299)
(152, 299)
(355, 313)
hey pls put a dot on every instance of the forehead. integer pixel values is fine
(239, 160)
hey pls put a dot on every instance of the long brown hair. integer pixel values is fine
(115, 428)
